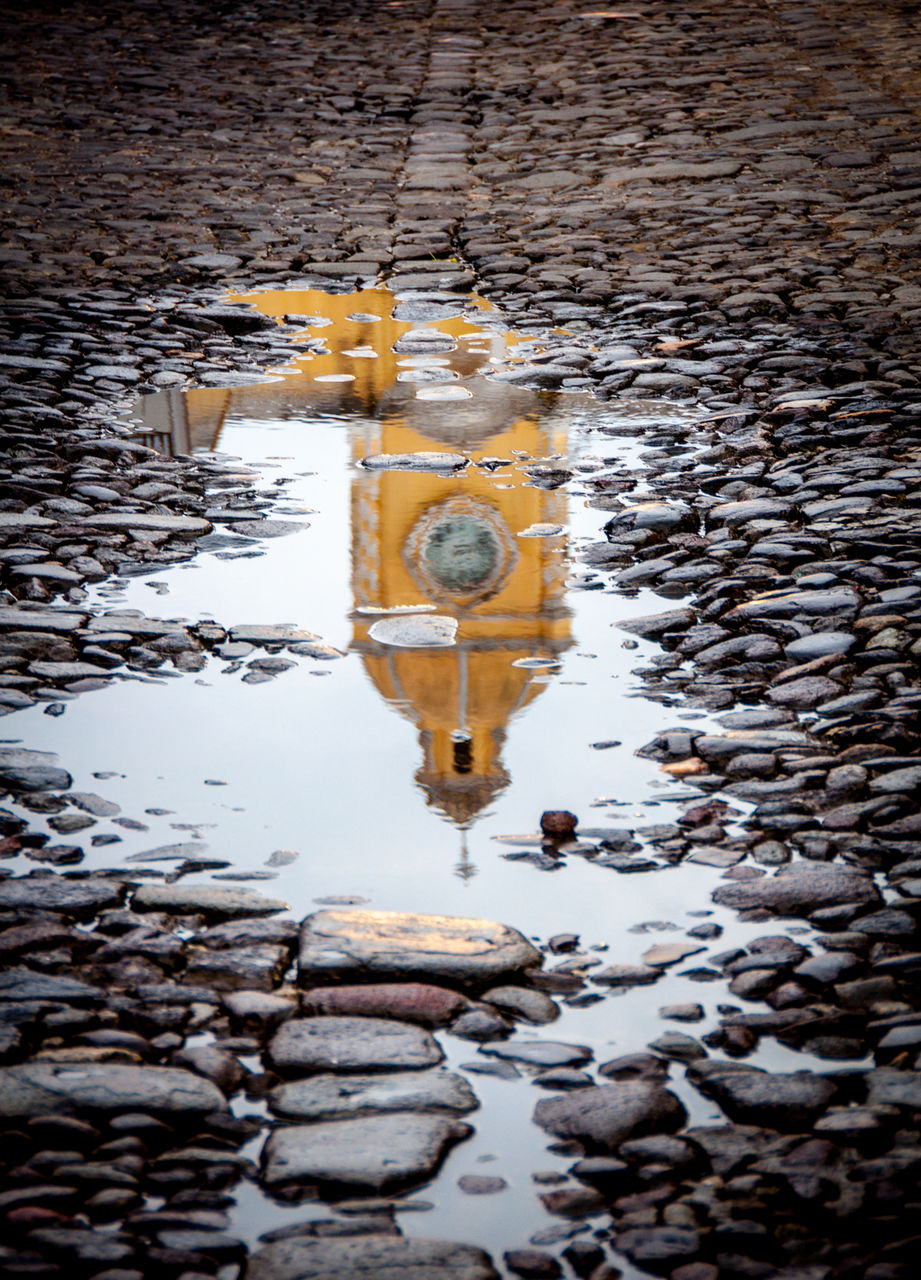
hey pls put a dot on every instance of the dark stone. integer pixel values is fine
(800, 888)
(658, 1248)
(605, 1115)
(558, 824)
(789, 1103)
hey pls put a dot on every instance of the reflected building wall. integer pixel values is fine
(507, 594)
(451, 542)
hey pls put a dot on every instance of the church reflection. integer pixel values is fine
(421, 539)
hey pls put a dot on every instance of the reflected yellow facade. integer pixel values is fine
(509, 605)
(448, 542)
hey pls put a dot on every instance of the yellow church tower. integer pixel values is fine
(454, 543)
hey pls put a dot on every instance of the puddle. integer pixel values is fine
(466, 672)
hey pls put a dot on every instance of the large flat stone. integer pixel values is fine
(415, 631)
(656, 624)
(16, 521)
(209, 899)
(271, 633)
(34, 1088)
(369, 1257)
(34, 778)
(132, 625)
(425, 461)
(68, 671)
(55, 893)
(603, 1116)
(148, 523)
(328, 1043)
(786, 604)
(369, 1153)
(674, 171)
(721, 747)
(749, 509)
(393, 944)
(334, 1097)
(25, 984)
(801, 888)
(40, 619)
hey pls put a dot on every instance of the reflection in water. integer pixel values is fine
(451, 542)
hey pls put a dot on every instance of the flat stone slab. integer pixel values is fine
(424, 461)
(132, 625)
(656, 624)
(627, 975)
(424, 342)
(271, 633)
(149, 523)
(34, 778)
(40, 619)
(35, 1088)
(805, 693)
(68, 670)
(750, 509)
(25, 984)
(334, 1097)
(13, 521)
(415, 631)
(785, 604)
(210, 899)
(722, 746)
(801, 888)
(650, 515)
(55, 893)
(352, 1044)
(393, 944)
(369, 1153)
(369, 1257)
(674, 171)
(603, 1116)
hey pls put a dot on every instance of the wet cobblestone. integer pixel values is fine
(706, 205)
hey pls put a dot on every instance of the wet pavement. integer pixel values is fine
(608, 503)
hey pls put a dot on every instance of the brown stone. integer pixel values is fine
(420, 1002)
(558, 824)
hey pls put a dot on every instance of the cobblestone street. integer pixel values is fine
(705, 217)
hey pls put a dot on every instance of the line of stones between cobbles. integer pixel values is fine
(534, 93)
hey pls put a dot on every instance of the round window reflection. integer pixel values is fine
(460, 551)
(461, 554)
